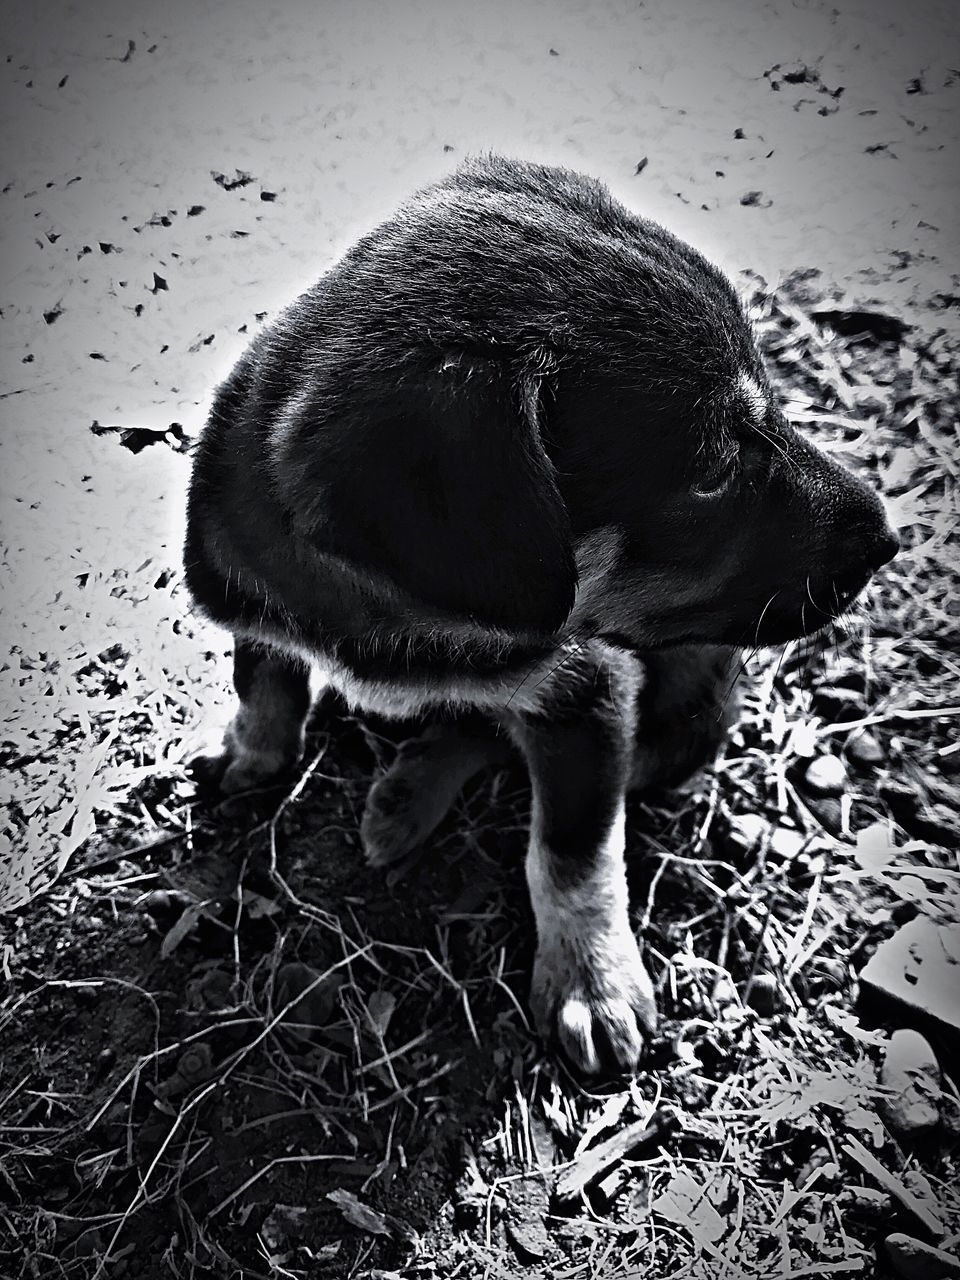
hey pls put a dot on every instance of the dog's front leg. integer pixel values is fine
(590, 988)
(266, 735)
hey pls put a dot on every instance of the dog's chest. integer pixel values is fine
(400, 697)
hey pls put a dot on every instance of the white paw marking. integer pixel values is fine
(590, 989)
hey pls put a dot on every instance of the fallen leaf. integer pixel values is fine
(359, 1214)
(875, 847)
(685, 1203)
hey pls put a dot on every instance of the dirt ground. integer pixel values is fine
(173, 174)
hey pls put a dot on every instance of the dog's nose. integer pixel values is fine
(884, 549)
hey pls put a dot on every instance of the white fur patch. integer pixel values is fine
(754, 398)
(589, 983)
(518, 690)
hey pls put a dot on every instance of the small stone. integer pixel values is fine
(210, 989)
(828, 811)
(826, 776)
(193, 1067)
(316, 1000)
(196, 1063)
(105, 1060)
(867, 401)
(529, 1239)
(839, 703)
(866, 1202)
(747, 830)
(901, 798)
(787, 843)
(940, 824)
(864, 749)
(911, 1073)
(913, 1260)
(826, 974)
(161, 903)
(764, 994)
(157, 903)
(919, 1185)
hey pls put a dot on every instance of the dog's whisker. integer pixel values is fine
(777, 446)
(756, 634)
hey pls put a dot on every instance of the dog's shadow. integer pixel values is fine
(420, 1027)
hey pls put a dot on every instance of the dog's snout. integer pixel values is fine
(883, 549)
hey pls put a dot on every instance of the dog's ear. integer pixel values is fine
(440, 481)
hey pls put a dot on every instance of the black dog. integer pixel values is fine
(517, 452)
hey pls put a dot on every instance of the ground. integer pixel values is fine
(176, 172)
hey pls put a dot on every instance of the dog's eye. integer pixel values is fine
(717, 481)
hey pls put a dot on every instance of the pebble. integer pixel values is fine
(211, 989)
(919, 1185)
(105, 1060)
(826, 776)
(747, 830)
(941, 825)
(901, 798)
(165, 902)
(911, 1071)
(828, 811)
(157, 902)
(827, 974)
(193, 1067)
(913, 1260)
(315, 1007)
(196, 1063)
(529, 1239)
(864, 749)
(764, 994)
(786, 842)
(866, 1202)
(839, 703)
(867, 401)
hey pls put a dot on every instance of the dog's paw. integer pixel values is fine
(257, 752)
(417, 792)
(594, 996)
(236, 769)
(405, 805)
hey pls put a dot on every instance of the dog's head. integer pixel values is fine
(541, 411)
